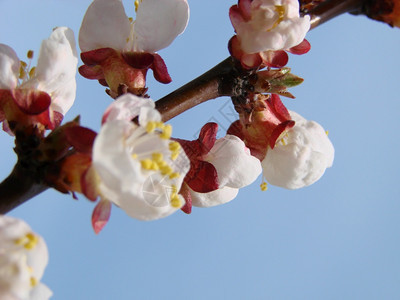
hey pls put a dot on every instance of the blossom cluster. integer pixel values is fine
(133, 161)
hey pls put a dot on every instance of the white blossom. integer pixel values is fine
(23, 258)
(236, 168)
(157, 24)
(139, 168)
(300, 157)
(54, 73)
(270, 25)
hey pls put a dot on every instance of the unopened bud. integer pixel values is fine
(277, 81)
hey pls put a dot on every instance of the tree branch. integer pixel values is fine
(330, 9)
(215, 83)
(17, 188)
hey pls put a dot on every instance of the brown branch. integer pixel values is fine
(17, 188)
(214, 83)
(330, 9)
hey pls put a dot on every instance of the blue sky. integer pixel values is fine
(337, 239)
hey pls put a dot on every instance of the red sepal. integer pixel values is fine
(278, 108)
(202, 177)
(160, 70)
(278, 131)
(81, 138)
(91, 72)
(31, 102)
(245, 8)
(57, 118)
(101, 215)
(301, 48)
(236, 130)
(235, 15)
(96, 57)
(248, 61)
(185, 192)
(207, 137)
(138, 60)
(275, 59)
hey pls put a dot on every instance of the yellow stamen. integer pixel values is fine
(160, 125)
(174, 155)
(166, 170)
(157, 157)
(134, 155)
(174, 146)
(327, 132)
(263, 186)
(174, 175)
(22, 73)
(136, 5)
(151, 126)
(34, 281)
(32, 72)
(280, 9)
(146, 164)
(29, 54)
(175, 201)
(29, 241)
(166, 133)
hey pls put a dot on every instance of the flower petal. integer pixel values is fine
(213, 198)
(235, 166)
(105, 24)
(127, 107)
(9, 67)
(154, 203)
(40, 292)
(158, 23)
(56, 69)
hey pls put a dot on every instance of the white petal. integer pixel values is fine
(9, 67)
(158, 23)
(126, 107)
(105, 25)
(151, 202)
(40, 292)
(302, 159)
(235, 166)
(14, 276)
(148, 114)
(111, 157)
(217, 197)
(56, 69)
